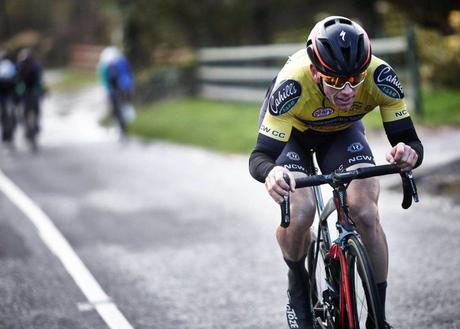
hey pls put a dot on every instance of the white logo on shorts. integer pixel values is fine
(293, 156)
(355, 147)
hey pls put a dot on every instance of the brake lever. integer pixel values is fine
(285, 208)
(413, 187)
(409, 189)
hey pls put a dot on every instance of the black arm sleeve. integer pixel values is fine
(264, 156)
(404, 131)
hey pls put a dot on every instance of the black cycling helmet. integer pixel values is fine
(337, 46)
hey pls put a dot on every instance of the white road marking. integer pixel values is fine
(57, 243)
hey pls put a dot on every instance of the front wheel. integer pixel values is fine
(324, 286)
(367, 311)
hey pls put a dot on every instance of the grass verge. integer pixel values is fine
(220, 126)
(232, 127)
(74, 79)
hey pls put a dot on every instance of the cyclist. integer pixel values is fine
(116, 76)
(316, 102)
(8, 96)
(30, 89)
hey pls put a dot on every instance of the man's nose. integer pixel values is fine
(347, 90)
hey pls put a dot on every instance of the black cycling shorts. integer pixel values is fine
(338, 150)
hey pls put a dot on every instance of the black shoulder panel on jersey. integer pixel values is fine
(404, 131)
(263, 157)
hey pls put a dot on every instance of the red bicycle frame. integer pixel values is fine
(338, 255)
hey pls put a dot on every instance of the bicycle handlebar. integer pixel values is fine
(340, 178)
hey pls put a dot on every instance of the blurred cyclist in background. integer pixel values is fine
(30, 89)
(116, 76)
(8, 97)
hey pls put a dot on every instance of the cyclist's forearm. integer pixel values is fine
(260, 164)
(418, 148)
(404, 131)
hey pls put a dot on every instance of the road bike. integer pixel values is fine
(123, 111)
(343, 293)
(8, 118)
(31, 118)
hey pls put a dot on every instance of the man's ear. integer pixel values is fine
(315, 74)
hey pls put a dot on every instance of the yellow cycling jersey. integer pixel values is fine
(297, 102)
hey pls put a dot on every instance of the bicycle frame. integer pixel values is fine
(335, 250)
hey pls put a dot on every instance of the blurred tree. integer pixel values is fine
(429, 14)
(4, 20)
(51, 26)
(151, 26)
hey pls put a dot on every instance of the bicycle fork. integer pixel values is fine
(337, 254)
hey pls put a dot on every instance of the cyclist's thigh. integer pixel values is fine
(363, 194)
(296, 159)
(347, 148)
(350, 150)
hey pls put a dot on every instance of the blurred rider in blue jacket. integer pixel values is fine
(117, 78)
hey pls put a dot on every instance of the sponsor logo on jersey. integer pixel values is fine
(293, 156)
(285, 97)
(401, 114)
(333, 121)
(387, 81)
(355, 147)
(269, 131)
(322, 112)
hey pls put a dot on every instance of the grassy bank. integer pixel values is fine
(74, 79)
(232, 127)
(220, 126)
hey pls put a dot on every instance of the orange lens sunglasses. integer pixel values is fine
(340, 82)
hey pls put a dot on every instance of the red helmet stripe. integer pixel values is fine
(319, 57)
(368, 51)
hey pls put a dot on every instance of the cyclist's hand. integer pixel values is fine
(276, 185)
(403, 155)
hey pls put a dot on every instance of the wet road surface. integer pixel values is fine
(181, 237)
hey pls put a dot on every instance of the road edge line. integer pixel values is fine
(61, 248)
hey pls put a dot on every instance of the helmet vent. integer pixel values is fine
(329, 23)
(360, 47)
(345, 21)
(329, 48)
(346, 54)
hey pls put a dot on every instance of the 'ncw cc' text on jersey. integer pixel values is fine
(295, 106)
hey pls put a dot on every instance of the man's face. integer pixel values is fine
(341, 98)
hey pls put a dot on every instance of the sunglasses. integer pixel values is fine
(340, 82)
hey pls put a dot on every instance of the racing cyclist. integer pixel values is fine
(30, 89)
(116, 76)
(316, 102)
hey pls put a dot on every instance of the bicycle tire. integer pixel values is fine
(326, 313)
(31, 128)
(315, 292)
(364, 294)
(8, 121)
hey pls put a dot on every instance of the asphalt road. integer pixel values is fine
(181, 237)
